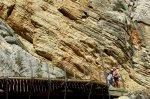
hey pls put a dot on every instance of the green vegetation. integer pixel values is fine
(18, 60)
(9, 32)
(39, 72)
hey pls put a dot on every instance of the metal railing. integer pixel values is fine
(49, 80)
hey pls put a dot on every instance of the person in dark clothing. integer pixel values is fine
(116, 78)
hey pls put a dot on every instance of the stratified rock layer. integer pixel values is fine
(72, 33)
(17, 62)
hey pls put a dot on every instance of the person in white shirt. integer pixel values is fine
(109, 77)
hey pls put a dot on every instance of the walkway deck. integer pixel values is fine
(35, 85)
(43, 85)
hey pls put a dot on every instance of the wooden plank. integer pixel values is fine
(23, 84)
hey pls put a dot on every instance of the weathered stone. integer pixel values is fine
(17, 62)
(138, 95)
(69, 33)
(124, 97)
(142, 11)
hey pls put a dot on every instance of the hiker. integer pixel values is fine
(116, 78)
(109, 77)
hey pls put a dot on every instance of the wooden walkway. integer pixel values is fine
(41, 85)
(35, 85)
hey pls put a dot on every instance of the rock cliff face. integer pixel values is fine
(17, 62)
(72, 33)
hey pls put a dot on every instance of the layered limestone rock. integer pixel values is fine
(136, 95)
(17, 62)
(72, 33)
(140, 15)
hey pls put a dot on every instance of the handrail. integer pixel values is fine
(92, 85)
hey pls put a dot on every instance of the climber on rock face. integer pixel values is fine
(116, 78)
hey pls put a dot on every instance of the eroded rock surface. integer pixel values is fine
(17, 62)
(136, 95)
(72, 32)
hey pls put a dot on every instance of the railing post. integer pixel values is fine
(31, 80)
(99, 76)
(65, 94)
(49, 80)
(122, 80)
(74, 73)
(84, 73)
(6, 89)
(105, 73)
(90, 72)
(91, 82)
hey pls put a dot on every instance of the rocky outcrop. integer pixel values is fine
(140, 16)
(72, 33)
(139, 95)
(17, 62)
(136, 95)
